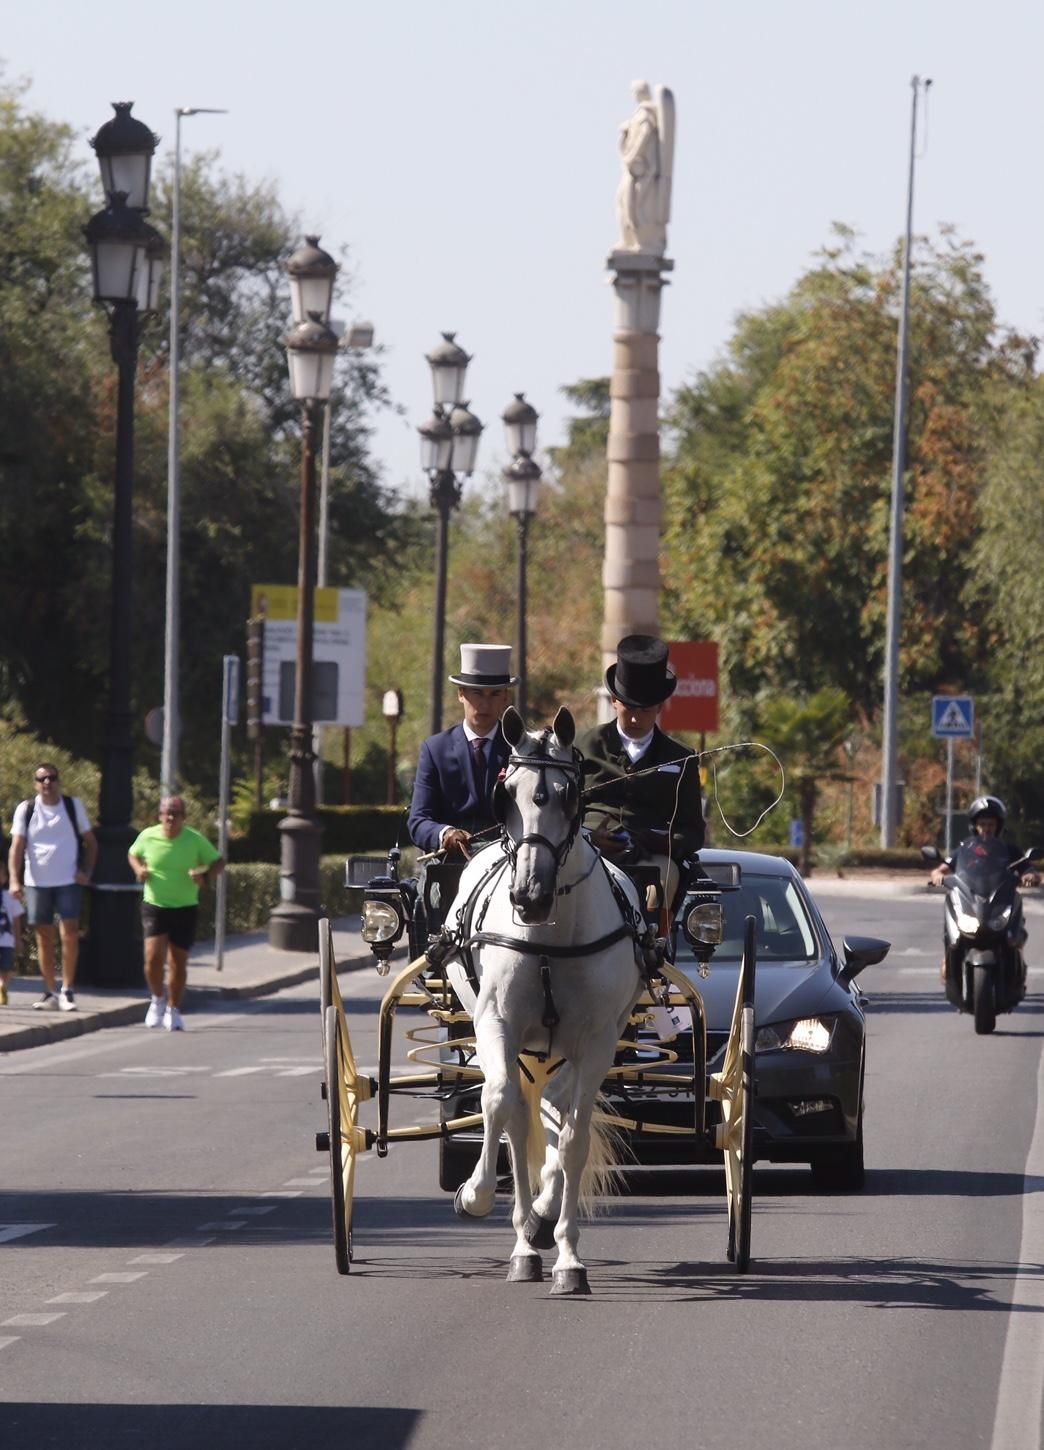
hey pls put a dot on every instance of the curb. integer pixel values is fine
(70, 1024)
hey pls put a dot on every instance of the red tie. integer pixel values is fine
(478, 765)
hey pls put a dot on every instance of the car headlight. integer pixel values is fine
(381, 922)
(966, 922)
(1000, 921)
(807, 1034)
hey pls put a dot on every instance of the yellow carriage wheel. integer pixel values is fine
(735, 1090)
(344, 1092)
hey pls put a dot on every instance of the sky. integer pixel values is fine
(466, 155)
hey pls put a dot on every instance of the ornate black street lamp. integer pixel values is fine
(522, 477)
(311, 349)
(126, 257)
(449, 447)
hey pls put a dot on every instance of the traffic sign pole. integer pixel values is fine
(949, 797)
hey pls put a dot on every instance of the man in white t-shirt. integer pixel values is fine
(52, 856)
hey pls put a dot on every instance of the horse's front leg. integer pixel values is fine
(526, 1265)
(574, 1146)
(501, 1101)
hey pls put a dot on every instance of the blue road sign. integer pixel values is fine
(953, 716)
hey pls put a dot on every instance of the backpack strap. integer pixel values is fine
(70, 811)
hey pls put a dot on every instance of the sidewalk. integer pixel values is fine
(251, 968)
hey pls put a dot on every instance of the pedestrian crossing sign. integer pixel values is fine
(953, 716)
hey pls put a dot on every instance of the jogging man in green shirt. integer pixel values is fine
(172, 860)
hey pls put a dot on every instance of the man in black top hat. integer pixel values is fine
(642, 789)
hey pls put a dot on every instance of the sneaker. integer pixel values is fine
(172, 1020)
(154, 1016)
(67, 1000)
(47, 1003)
(3, 994)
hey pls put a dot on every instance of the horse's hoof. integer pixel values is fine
(570, 1281)
(458, 1204)
(539, 1231)
(525, 1269)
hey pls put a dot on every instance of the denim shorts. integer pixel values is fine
(44, 903)
(6, 959)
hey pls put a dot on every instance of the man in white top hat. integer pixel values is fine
(459, 767)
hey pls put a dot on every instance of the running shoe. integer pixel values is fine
(154, 1016)
(67, 1000)
(47, 1003)
(3, 994)
(172, 1020)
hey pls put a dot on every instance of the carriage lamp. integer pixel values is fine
(807, 1034)
(312, 274)
(704, 925)
(382, 925)
(124, 147)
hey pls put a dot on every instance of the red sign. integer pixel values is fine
(694, 704)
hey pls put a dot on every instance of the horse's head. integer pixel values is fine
(538, 806)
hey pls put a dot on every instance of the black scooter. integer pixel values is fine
(984, 929)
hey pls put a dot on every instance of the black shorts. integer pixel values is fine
(178, 923)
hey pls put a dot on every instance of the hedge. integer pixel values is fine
(346, 830)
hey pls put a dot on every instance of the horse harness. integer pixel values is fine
(648, 951)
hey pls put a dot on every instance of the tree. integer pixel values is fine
(779, 481)
(807, 734)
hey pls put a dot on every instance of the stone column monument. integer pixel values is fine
(633, 507)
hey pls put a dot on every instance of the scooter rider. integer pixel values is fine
(986, 816)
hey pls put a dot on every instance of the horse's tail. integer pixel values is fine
(607, 1150)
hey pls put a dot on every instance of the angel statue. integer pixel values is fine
(643, 198)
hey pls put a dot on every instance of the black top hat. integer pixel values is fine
(641, 676)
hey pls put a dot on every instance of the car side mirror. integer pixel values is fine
(861, 952)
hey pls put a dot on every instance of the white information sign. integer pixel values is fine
(338, 654)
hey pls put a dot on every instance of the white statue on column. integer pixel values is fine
(643, 198)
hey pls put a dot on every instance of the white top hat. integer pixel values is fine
(485, 667)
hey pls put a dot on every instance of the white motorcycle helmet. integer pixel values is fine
(988, 805)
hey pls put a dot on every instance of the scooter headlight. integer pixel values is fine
(1000, 921)
(966, 922)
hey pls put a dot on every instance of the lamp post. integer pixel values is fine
(449, 447)
(391, 709)
(169, 770)
(522, 477)
(126, 260)
(311, 349)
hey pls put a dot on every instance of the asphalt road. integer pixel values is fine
(167, 1278)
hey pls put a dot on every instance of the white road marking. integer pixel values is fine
(1017, 1420)
(190, 1243)
(53, 1055)
(83, 1297)
(297, 1071)
(224, 1224)
(6, 1339)
(240, 1071)
(120, 1278)
(282, 1193)
(27, 1319)
(302, 1182)
(155, 1258)
(9, 1231)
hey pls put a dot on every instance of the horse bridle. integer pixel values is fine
(541, 761)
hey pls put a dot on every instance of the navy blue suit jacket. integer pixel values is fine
(444, 791)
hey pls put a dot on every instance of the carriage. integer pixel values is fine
(543, 1018)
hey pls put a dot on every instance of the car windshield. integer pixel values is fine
(785, 931)
(982, 863)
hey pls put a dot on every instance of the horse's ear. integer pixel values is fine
(500, 802)
(564, 727)
(513, 726)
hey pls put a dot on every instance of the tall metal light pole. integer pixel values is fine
(890, 734)
(449, 447)
(172, 628)
(126, 257)
(312, 349)
(522, 477)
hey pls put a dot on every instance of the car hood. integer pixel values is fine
(781, 992)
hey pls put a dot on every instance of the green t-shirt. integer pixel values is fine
(170, 859)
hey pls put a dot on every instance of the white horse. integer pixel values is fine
(548, 966)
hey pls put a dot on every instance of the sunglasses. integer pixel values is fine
(171, 815)
(42, 779)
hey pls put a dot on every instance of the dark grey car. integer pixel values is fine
(810, 1030)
